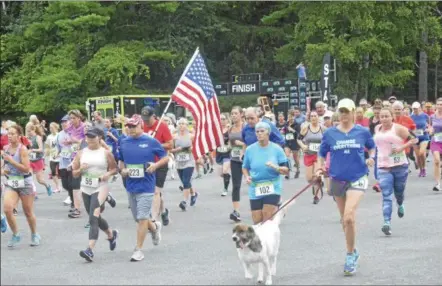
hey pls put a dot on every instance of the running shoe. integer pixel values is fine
(15, 212)
(436, 188)
(87, 225)
(156, 235)
(4, 227)
(356, 254)
(137, 255)
(49, 190)
(424, 172)
(401, 211)
(193, 199)
(183, 205)
(420, 173)
(287, 177)
(224, 193)
(56, 190)
(113, 240)
(35, 239)
(297, 174)
(377, 188)
(181, 188)
(114, 179)
(386, 228)
(198, 176)
(211, 170)
(67, 201)
(315, 200)
(15, 239)
(87, 254)
(75, 214)
(235, 216)
(165, 217)
(350, 264)
(110, 199)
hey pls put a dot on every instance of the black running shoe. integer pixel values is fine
(111, 200)
(235, 216)
(165, 217)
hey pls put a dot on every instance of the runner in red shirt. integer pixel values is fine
(164, 136)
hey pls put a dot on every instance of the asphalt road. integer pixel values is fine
(197, 247)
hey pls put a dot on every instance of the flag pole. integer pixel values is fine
(170, 100)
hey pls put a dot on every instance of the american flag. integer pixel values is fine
(196, 93)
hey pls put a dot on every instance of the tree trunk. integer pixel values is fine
(435, 79)
(423, 72)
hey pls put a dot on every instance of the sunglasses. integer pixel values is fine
(131, 126)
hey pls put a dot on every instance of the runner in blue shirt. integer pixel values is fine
(264, 162)
(137, 156)
(348, 171)
(421, 120)
(248, 132)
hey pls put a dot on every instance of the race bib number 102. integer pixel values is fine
(263, 189)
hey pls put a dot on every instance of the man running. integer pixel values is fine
(137, 155)
(160, 131)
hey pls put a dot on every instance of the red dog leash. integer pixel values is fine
(315, 181)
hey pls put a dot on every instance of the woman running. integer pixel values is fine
(392, 164)
(421, 120)
(348, 171)
(52, 153)
(17, 170)
(185, 162)
(36, 154)
(291, 140)
(282, 126)
(436, 142)
(236, 153)
(310, 139)
(223, 154)
(264, 162)
(96, 166)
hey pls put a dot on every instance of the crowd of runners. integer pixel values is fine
(340, 145)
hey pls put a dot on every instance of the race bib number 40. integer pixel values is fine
(236, 152)
(16, 182)
(90, 181)
(263, 189)
(360, 184)
(314, 147)
(183, 157)
(438, 137)
(289, 136)
(419, 132)
(136, 171)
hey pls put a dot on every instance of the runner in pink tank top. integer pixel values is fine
(392, 140)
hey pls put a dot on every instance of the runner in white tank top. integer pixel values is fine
(95, 165)
(392, 140)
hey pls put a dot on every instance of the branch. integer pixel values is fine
(437, 11)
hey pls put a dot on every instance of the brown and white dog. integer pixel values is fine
(259, 244)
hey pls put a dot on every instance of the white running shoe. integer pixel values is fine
(67, 201)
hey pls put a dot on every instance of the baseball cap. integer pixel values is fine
(65, 118)
(94, 132)
(147, 112)
(416, 105)
(346, 103)
(392, 98)
(363, 101)
(328, 114)
(134, 120)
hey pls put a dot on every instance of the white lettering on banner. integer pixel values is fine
(265, 188)
(135, 170)
(346, 144)
(16, 182)
(243, 88)
(326, 72)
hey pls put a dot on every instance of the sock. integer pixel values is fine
(226, 178)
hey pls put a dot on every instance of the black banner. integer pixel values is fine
(221, 89)
(325, 78)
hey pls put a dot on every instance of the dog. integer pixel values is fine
(260, 244)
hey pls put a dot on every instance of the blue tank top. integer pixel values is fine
(13, 171)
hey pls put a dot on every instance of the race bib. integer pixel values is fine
(16, 182)
(263, 189)
(53, 153)
(66, 153)
(396, 158)
(222, 149)
(90, 181)
(236, 152)
(419, 132)
(32, 156)
(136, 171)
(314, 147)
(289, 136)
(361, 184)
(183, 157)
(438, 137)
(75, 148)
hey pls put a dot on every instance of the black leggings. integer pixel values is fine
(90, 204)
(66, 182)
(236, 169)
